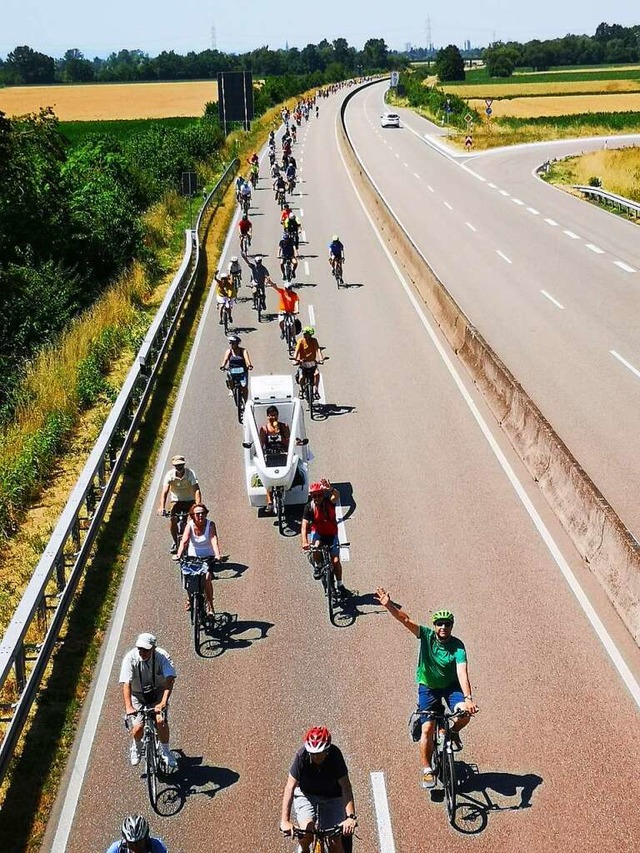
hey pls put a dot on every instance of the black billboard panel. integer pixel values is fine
(235, 98)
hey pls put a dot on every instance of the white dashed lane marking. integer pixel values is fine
(533, 211)
(624, 361)
(623, 266)
(595, 249)
(551, 299)
(470, 226)
(571, 235)
(551, 222)
(503, 256)
(446, 204)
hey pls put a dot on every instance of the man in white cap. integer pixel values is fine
(147, 675)
(181, 486)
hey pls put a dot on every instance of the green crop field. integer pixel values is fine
(77, 131)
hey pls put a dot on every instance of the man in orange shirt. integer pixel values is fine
(288, 304)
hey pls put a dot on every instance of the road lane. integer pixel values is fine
(430, 515)
(497, 271)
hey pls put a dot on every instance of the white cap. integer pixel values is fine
(146, 641)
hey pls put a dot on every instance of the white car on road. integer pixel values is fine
(390, 120)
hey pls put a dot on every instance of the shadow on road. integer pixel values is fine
(192, 777)
(323, 411)
(494, 791)
(228, 633)
(221, 571)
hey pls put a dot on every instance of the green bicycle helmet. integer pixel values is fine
(308, 330)
(443, 614)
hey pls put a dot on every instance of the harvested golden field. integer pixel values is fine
(619, 170)
(102, 101)
(561, 106)
(562, 87)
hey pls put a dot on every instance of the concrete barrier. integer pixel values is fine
(600, 537)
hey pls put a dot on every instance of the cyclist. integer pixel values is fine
(287, 252)
(442, 674)
(200, 539)
(319, 789)
(147, 675)
(181, 486)
(336, 250)
(308, 356)
(235, 271)
(274, 439)
(245, 227)
(293, 227)
(284, 215)
(279, 185)
(245, 193)
(239, 183)
(136, 837)
(254, 160)
(290, 175)
(294, 132)
(320, 524)
(254, 175)
(226, 293)
(289, 302)
(275, 171)
(237, 358)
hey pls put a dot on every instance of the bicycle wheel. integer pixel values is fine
(278, 498)
(151, 759)
(225, 320)
(309, 390)
(239, 400)
(197, 607)
(330, 586)
(291, 338)
(449, 783)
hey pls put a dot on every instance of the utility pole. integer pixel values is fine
(213, 37)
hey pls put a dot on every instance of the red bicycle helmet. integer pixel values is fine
(317, 739)
(317, 488)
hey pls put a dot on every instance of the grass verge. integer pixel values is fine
(617, 170)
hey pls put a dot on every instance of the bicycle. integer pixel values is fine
(259, 299)
(289, 330)
(234, 381)
(245, 204)
(225, 313)
(323, 571)
(288, 269)
(236, 280)
(281, 198)
(155, 762)
(245, 243)
(337, 272)
(320, 842)
(307, 384)
(181, 521)
(443, 760)
(193, 571)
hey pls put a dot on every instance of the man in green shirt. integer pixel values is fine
(442, 675)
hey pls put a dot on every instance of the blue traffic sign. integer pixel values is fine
(488, 111)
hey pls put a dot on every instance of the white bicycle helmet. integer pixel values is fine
(135, 828)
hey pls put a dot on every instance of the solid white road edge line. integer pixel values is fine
(383, 817)
(110, 648)
(551, 299)
(625, 362)
(342, 530)
(588, 609)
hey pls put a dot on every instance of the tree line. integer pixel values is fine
(334, 61)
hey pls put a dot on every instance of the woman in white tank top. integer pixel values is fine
(200, 539)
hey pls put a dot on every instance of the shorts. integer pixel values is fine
(332, 541)
(327, 811)
(431, 698)
(180, 506)
(225, 300)
(138, 705)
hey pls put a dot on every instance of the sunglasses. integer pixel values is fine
(199, 513)
(443, 623)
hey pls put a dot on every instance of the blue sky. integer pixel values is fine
(53, 26)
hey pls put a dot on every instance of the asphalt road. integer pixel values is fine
(441, 513)
(551, 282)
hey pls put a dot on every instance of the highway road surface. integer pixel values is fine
(437, 509)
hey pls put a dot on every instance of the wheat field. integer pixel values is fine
(109, 101)
(560, 106)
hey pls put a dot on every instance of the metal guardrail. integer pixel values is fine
(612, 199)
(33, 632)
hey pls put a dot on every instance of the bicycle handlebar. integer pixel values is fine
(320, 833)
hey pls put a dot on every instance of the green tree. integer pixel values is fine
(375, 54)
(30, 66)
(75, 68)
(449, 64)
(500, 60)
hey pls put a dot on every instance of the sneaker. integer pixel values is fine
(175, 557)
(169, 758)
(428, 780)
(456, 743)
(316, 396)
(174, 548)
(135, 753)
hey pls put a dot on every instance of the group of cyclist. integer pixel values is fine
(318, 785)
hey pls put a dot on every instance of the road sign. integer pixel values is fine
(468, 142)
(468, 118)
(395, 77)
(488, 111)
(488, 102)
(447, 106)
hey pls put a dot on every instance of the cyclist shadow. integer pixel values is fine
(228, 633)
(244, 330)
(221, 571)
(494, 791)
(192, 777)
(367, 599)
(347, 500)
(323, 411)
(348, 284)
